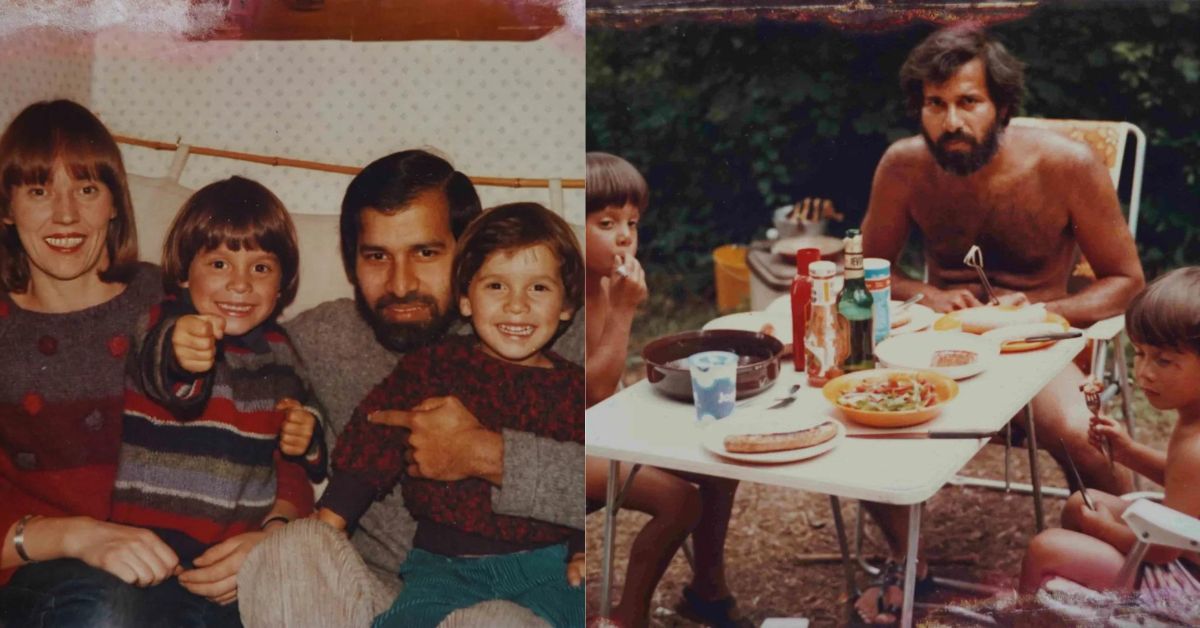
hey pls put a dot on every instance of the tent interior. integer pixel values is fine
(300, 109)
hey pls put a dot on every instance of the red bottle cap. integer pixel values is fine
(804, 257)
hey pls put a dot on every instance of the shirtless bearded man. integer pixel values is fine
(1027, 198)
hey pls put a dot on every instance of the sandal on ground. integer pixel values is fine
(720, 613)
(891, 576)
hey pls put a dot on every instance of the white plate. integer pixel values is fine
(754, 321)
(782, 305)
(713, 436)
(922, 318)
(915, 351)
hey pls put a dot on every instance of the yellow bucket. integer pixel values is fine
(732, 276)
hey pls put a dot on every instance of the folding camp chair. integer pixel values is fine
(1108, 141)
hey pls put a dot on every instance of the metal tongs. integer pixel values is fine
(974, 259)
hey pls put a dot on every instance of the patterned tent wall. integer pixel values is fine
(499, 109)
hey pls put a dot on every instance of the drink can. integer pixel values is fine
(878, 274)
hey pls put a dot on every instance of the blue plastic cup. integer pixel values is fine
(714, 384)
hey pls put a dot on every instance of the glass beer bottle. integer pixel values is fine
(856, 305)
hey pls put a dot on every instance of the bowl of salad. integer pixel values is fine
(890, 397)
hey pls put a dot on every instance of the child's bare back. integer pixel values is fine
(1181, 492)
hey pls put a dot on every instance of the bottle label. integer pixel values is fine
(878, 278)
(823, 292)
(854, 265)
(824, 344)
(876, 284)
(882, 310)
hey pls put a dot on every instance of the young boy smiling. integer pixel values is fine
(217, 408)
(518, 276)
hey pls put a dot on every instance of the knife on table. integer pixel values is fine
(923, 435)
(1044, 337)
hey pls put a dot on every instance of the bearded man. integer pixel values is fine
(1028, 198)
(401, 218)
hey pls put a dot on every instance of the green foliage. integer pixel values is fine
(728, 122)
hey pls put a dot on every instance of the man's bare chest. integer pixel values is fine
(1016, 223)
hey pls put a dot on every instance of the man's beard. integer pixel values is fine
(963, 163)
(406, 336)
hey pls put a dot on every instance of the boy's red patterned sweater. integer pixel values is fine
(456, 518)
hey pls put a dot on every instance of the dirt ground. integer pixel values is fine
(781, 542)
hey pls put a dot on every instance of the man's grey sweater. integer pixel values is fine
(542, 478)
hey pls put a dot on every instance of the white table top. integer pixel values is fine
(639, 425)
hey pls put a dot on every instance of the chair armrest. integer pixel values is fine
(1154, 496)
(1158, 525)
(1106, 329)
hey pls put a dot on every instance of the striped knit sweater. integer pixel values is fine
(199, 454)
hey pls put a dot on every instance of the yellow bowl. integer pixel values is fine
(945, 388)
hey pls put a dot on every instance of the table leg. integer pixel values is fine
(1036, 480)
(836, 506)
(610, 519)
(858, 544)
(910, 565)
(612, 504)
(1007, 456)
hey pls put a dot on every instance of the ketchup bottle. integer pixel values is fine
(801, 301)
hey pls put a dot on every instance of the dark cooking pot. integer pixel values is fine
(667, 368)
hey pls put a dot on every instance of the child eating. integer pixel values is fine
(678, 503)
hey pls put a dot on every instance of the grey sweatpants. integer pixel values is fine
(308, 574)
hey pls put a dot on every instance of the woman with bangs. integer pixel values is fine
(71, 294)
(71, 291)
